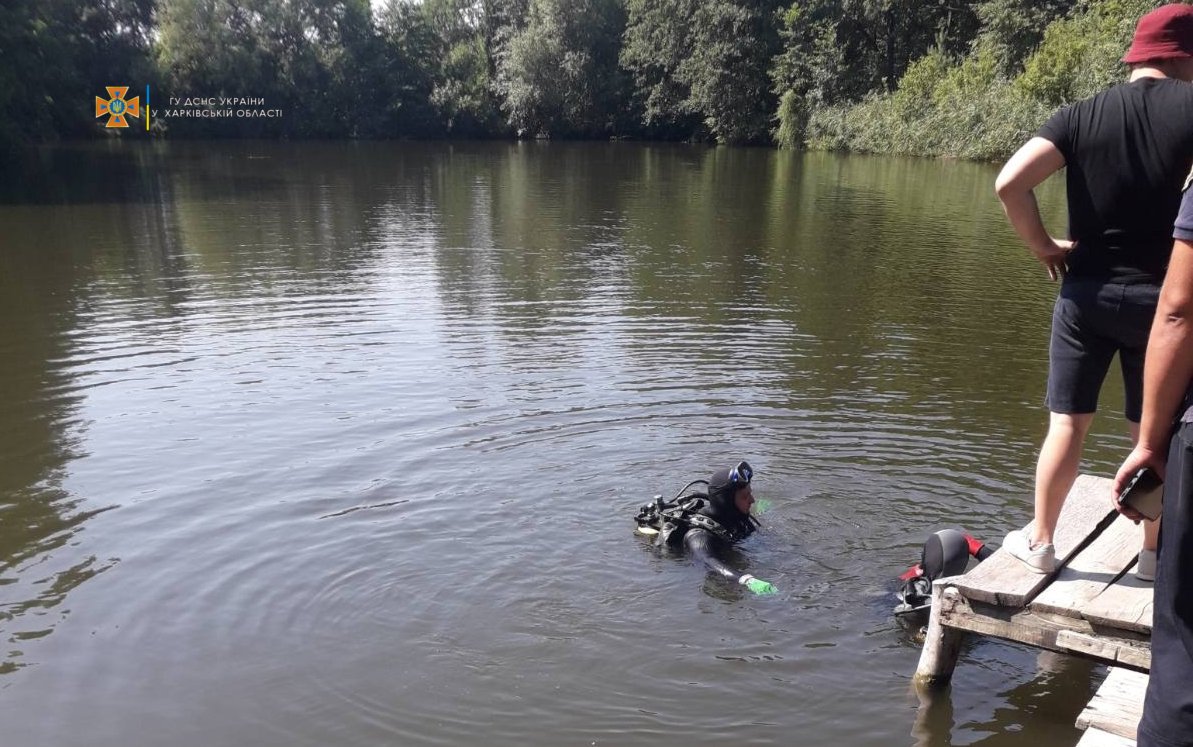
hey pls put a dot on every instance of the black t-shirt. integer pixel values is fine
(1128, 150)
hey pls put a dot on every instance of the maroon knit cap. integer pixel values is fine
(1164, 34)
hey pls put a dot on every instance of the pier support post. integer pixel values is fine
(942, 645)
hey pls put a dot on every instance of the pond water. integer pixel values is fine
(341, 444)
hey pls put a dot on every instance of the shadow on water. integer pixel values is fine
(117, 173)
(1052, 699)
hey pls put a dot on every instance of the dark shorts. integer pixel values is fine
(1092, 321)
(1168, 706)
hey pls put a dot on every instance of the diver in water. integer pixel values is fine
(706, 523)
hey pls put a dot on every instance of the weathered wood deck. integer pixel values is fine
(1093, 606)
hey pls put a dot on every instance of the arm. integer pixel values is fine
(1168, 368)
(1032, 164)
(700, 543)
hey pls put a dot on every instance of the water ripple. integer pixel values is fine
(372, 428)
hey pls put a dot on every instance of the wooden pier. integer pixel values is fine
(1092, 606)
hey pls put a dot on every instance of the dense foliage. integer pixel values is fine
(969, 78)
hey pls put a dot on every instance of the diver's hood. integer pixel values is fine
(721, 506)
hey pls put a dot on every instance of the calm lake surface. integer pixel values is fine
(340, 444)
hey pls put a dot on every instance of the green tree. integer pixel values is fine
(558, 75)
(1013, 29)
(1081, 55)
(971, 108)
(837, 52)
(809, 73)
(702, 66)
(658, 40)
(727, 72)
(59, 55)
(413, 48)
(321, 61)
(446, 57)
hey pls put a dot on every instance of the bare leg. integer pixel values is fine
(1151, 529)
(1056, 470)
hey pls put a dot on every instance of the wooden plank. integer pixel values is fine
(1060, 633)
(1128, 653)
(1126, 604)
(1003, 580)
(1118, 704)
(1091, 570)
(1099, 738)
(1012, 624)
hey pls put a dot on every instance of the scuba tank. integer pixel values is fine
(668, 521)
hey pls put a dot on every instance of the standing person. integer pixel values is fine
(1127, 151)
(1167, 397)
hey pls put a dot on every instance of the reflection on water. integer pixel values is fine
(341, 443)
(1041, 705)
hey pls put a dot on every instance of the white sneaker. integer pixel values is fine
(1040, 558)
(1145, 569)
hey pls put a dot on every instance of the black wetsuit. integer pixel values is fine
(706, 546)
(731, 525)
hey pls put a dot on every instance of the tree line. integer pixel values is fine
(967, 78)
